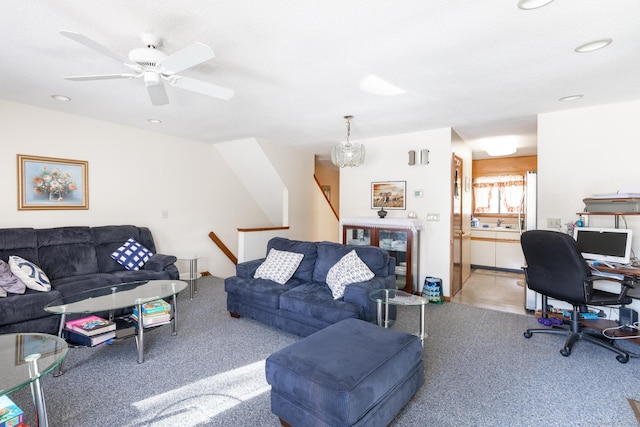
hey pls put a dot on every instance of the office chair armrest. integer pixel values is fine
(624, 288)
(624, 281)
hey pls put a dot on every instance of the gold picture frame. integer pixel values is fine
(326, 189)
(47, 183)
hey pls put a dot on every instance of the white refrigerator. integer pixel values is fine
(529, 207)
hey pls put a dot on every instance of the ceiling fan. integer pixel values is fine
(154, 66)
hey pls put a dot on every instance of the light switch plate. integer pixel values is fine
(433, 217)
(553, 223)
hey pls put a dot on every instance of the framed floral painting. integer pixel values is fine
(49, 183)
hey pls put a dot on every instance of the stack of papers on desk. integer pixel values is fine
(627, 192)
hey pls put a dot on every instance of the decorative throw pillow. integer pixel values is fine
(9, 282)
(132, 255)
(279, 266)
(30, 274)
(350, 269)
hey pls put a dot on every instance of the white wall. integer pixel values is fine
(583, 152)
(134, 175)
(387, 160)
(296, 171)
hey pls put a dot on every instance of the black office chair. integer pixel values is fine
(555, 268)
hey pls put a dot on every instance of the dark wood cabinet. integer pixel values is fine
(400, 238)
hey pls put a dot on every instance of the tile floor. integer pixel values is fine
(495, 290)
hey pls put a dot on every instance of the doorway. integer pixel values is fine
(456, 225)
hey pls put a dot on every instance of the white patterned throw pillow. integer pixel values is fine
(132, 255)
(29, 274)
(350, 269)
(279, 266)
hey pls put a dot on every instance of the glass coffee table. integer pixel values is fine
(391, 297)
(123, 295)
(24, 359)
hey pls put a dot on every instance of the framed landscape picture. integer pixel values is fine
(389, 194)
(50, 183)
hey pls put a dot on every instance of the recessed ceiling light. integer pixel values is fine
(61, 98)
(532, 4)
(570, 98)
(154, 121)
(377, 86)
(594, 45)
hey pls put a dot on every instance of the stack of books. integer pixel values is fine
(90, 331)
(10, 414)
(154, 313)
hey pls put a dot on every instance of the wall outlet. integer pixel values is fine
(165, 214)
(553, 223)
(433, 217)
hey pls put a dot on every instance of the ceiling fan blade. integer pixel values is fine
(185, 58)
(101, 77)
(82, 39)
(158, 94)
(199, 86)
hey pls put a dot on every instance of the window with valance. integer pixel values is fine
(498, 194)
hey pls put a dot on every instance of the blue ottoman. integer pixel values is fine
(352, 373)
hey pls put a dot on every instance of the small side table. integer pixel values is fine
(192, 276)
(388, 297)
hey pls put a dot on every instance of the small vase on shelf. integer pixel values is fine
(382, 213)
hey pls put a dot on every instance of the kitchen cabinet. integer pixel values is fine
(483, 248)
(399, 237)
(508, 251)
(496, 249)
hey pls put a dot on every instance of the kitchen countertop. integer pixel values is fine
(494, 228)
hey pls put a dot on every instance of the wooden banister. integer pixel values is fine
(223, 248)
(325, 197)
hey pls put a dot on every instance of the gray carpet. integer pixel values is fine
(480, 371)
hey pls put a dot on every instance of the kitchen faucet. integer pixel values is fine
(499, 222)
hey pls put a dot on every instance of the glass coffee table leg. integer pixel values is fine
(58, 371)
(36, 390)
(140, 336)
(423, 334)
(174, 319)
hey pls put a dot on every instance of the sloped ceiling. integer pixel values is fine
(484, 68)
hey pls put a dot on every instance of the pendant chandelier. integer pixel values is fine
(347, 154)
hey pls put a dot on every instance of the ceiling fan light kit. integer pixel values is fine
(154, 66)
(347, 154)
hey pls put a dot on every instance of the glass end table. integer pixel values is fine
(24, 359)
(192, 276)
(393, 297)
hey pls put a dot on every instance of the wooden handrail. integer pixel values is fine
(223, 248)
(251, 230)
(325, 197)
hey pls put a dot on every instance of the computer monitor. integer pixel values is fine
(604, 244)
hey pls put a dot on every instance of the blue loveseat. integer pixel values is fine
(75, 259)
(305, 304)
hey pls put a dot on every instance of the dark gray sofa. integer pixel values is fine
(304, 304)
(75, 259)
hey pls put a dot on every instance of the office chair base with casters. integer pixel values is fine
(576, 333)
